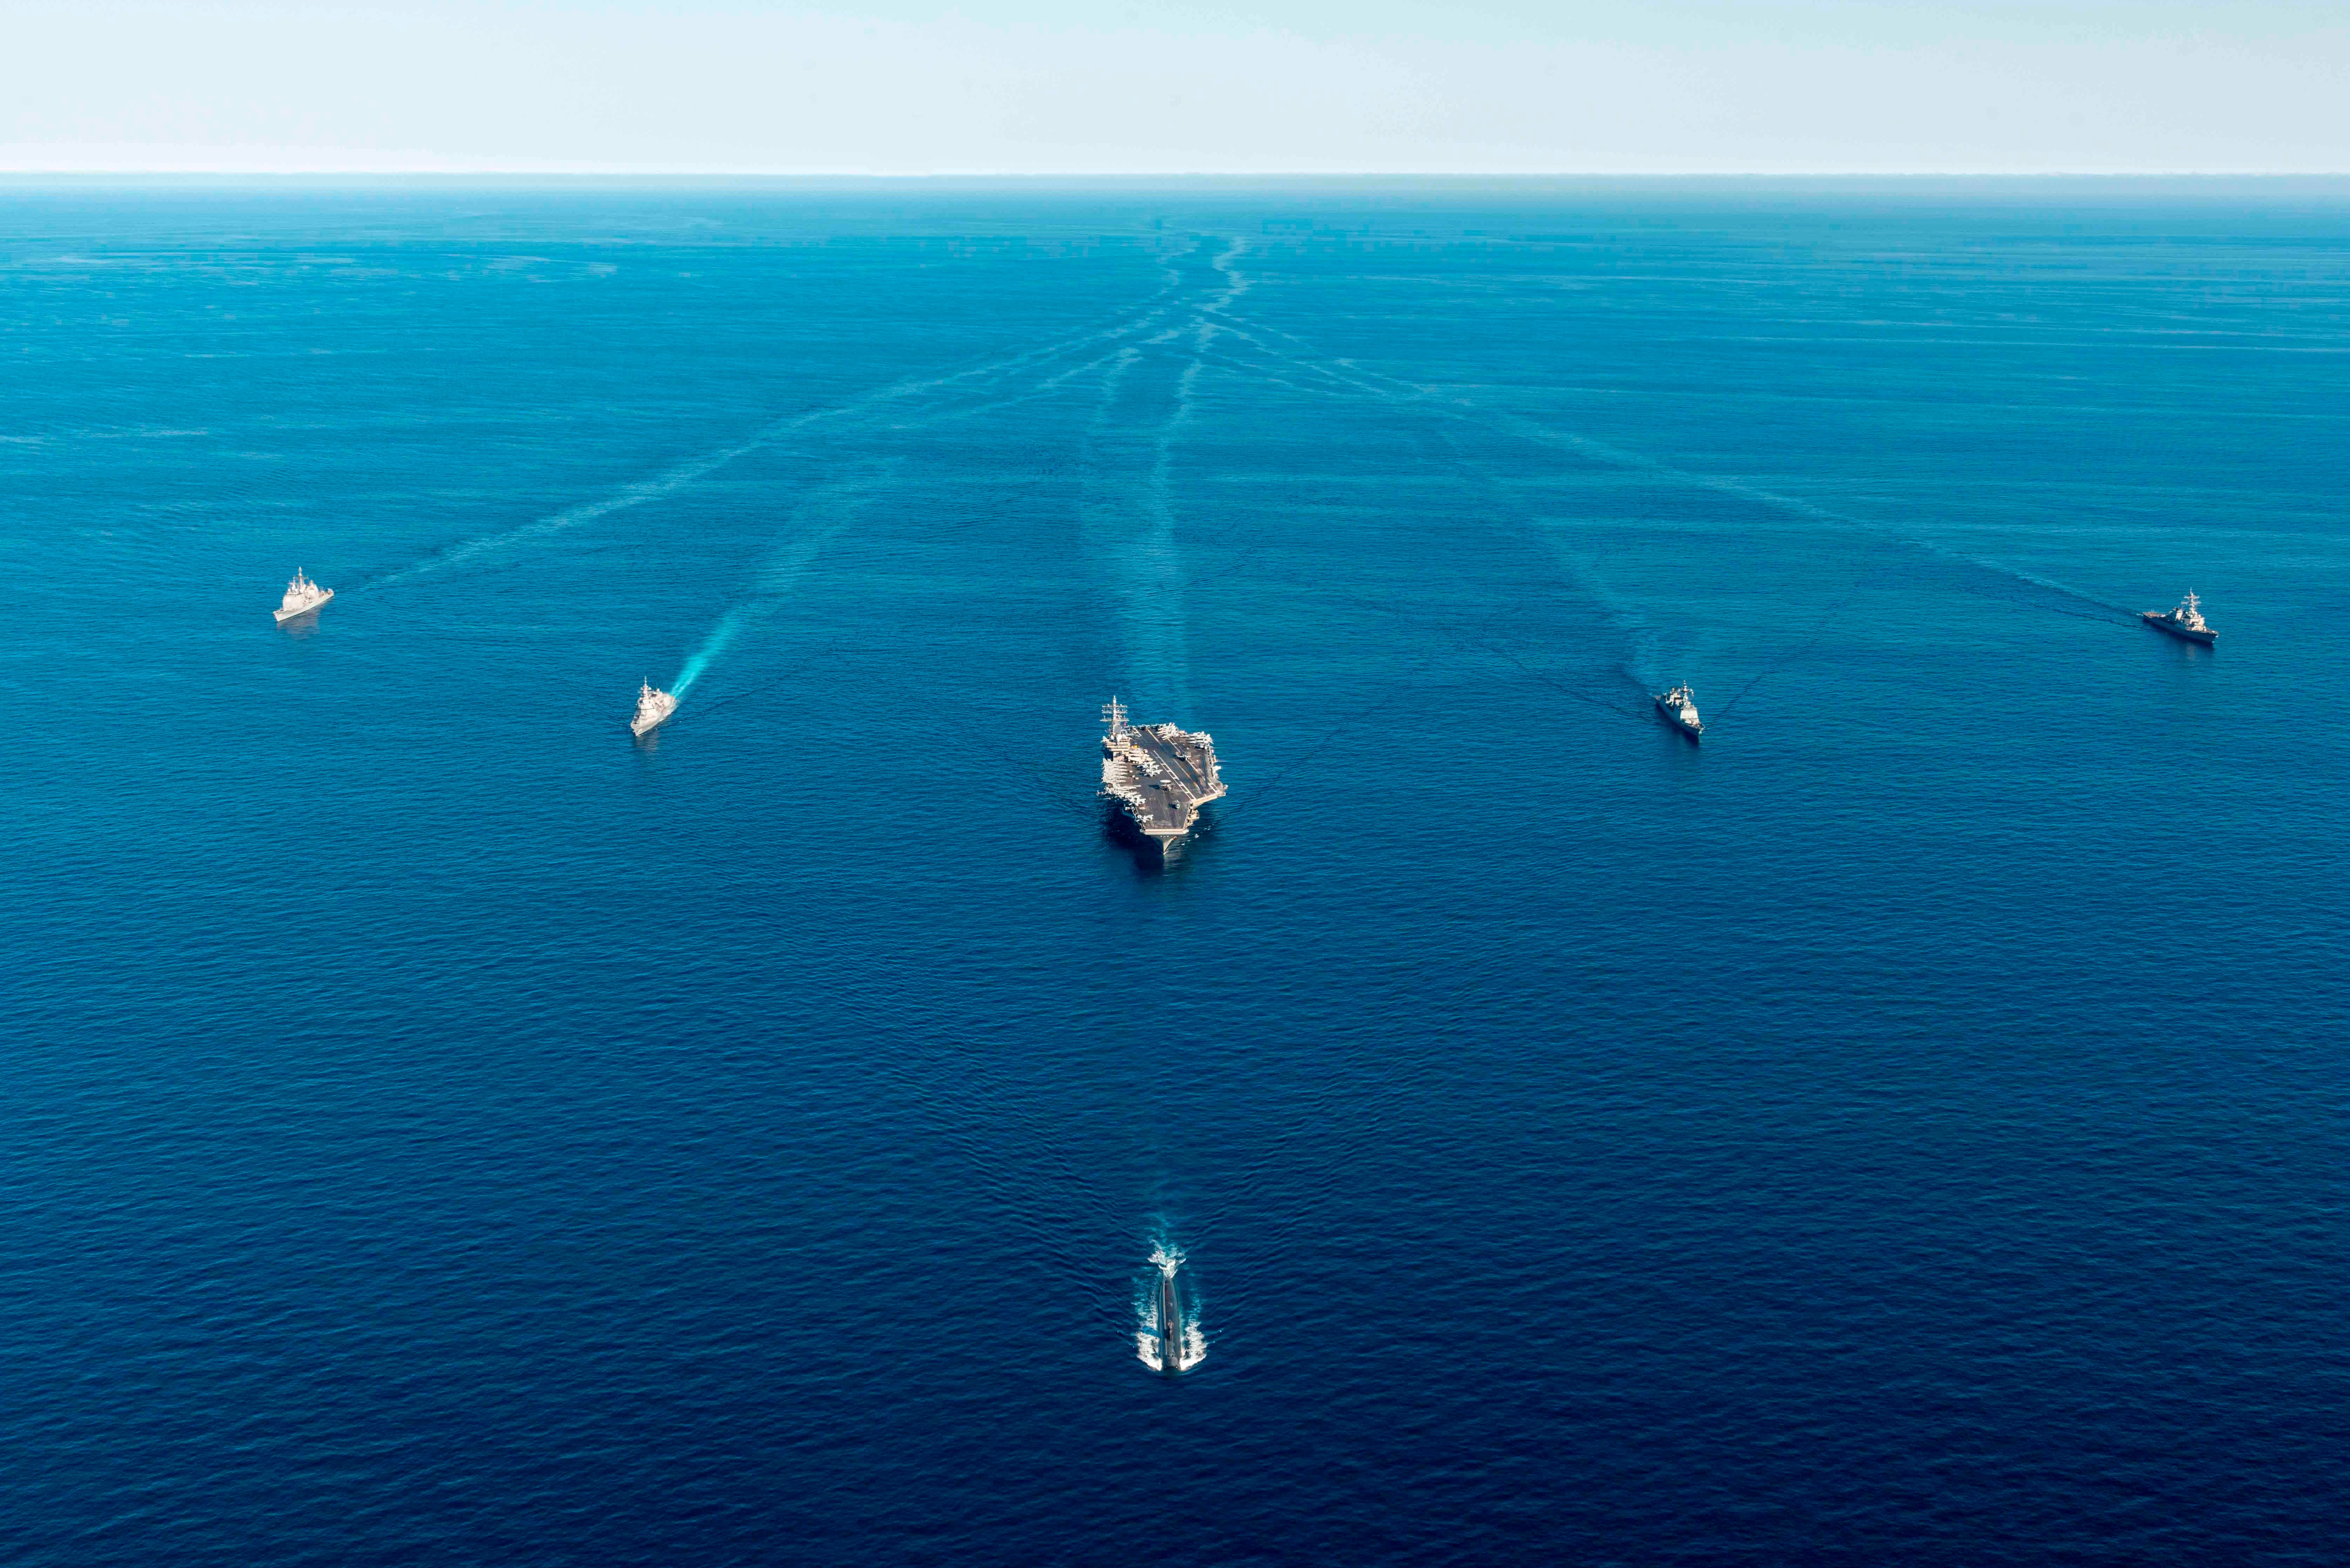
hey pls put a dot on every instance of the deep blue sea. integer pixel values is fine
(1912, 1127)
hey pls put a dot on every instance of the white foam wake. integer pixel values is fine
(1125, 326)
(1195, 1347)
(1131, 514)
(715, 643)
(636, 495)
(823, 516)
(1347, 376)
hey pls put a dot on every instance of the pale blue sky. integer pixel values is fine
(1157, 86)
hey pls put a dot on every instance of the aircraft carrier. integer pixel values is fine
(1158, 776)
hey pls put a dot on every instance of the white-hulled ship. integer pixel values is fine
(1158, 775)
(1680, 706)
(2185, 621)
(302, 597)
(653, 709)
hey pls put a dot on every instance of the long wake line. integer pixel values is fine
(1367, 382)
(781, 572)
(1121, 328)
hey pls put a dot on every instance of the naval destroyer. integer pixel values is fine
(1680, 705)
(653, 709)
(302, 597)
(2185, 621)
(1158, 776)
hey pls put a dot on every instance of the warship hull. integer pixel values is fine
(313, 609)
(2161, 622)
(653, 710)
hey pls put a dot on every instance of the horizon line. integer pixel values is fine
(627, 173)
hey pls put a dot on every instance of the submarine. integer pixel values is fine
(1171, 1325)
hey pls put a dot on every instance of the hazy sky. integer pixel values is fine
(1152, 86)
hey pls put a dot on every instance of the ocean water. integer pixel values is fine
(1908, 1128)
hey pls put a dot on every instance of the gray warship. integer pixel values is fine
(1680, 705)
(653, 709)
(2186, 622)
(1157, 775)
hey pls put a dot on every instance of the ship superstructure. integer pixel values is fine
(2185, 621)
(1158, 775)
(653, 709)
(302, 597)
(1680, 705)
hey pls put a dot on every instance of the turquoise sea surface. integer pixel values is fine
(1910, 1127)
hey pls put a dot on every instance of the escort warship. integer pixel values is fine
(2186, 622)
(653, 709)
(302, 597)
(1680, 706)
(1157, 775)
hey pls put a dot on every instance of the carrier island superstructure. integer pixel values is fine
(1158, 775)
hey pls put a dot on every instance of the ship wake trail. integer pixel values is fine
(2120, 615)
(1128, 527)
(1345, 378)
(1827, 618)
(816, 522)
(953, 394)
(1148, 399)
(665, 484)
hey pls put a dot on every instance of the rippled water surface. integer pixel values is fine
(1908, 1128)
